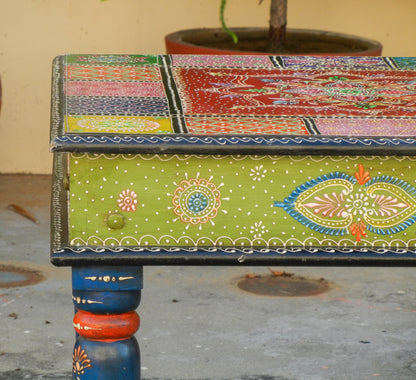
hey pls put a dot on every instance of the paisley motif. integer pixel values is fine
(338, 204)
(394, 205)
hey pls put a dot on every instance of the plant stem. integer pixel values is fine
(223, 24)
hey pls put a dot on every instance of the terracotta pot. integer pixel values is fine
(253, 41)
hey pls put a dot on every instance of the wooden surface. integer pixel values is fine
(228, 159)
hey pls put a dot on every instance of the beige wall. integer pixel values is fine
(32, 32)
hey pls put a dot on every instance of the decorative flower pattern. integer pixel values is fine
(356, 204)
(80, 361)
(258, 173)
(258, 229)
(106, 124)
(196, 201)
(338, 204)
(127, 200)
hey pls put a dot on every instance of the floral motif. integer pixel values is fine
(387, 205)
(80, 361)
(339, 204)
(344, 90)
(356, 204)
(358, 230)
(258, 229)
(258, 173)
(106, 124)
(112, 59)
(127, 200)
(196, 201)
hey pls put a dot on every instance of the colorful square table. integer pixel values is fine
(222, 160)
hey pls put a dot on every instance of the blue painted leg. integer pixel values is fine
(105, 300)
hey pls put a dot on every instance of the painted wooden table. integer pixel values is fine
(222, 160)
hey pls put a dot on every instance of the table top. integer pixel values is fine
(226, 103)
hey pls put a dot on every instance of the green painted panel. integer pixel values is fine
(241, 201)
(112, 59)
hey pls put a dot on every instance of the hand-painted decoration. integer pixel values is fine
(105, 324)
(127, 200)
(179, 159)
(196, 201)
(111, 124)
(242, 201)
(239, 95)
(80, 362)
(316, 93)
(339, 204)
(265, 156)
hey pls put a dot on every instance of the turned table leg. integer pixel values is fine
(105, 299)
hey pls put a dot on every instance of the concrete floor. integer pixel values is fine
(196, 323)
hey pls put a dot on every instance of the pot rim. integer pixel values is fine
(187, 38)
